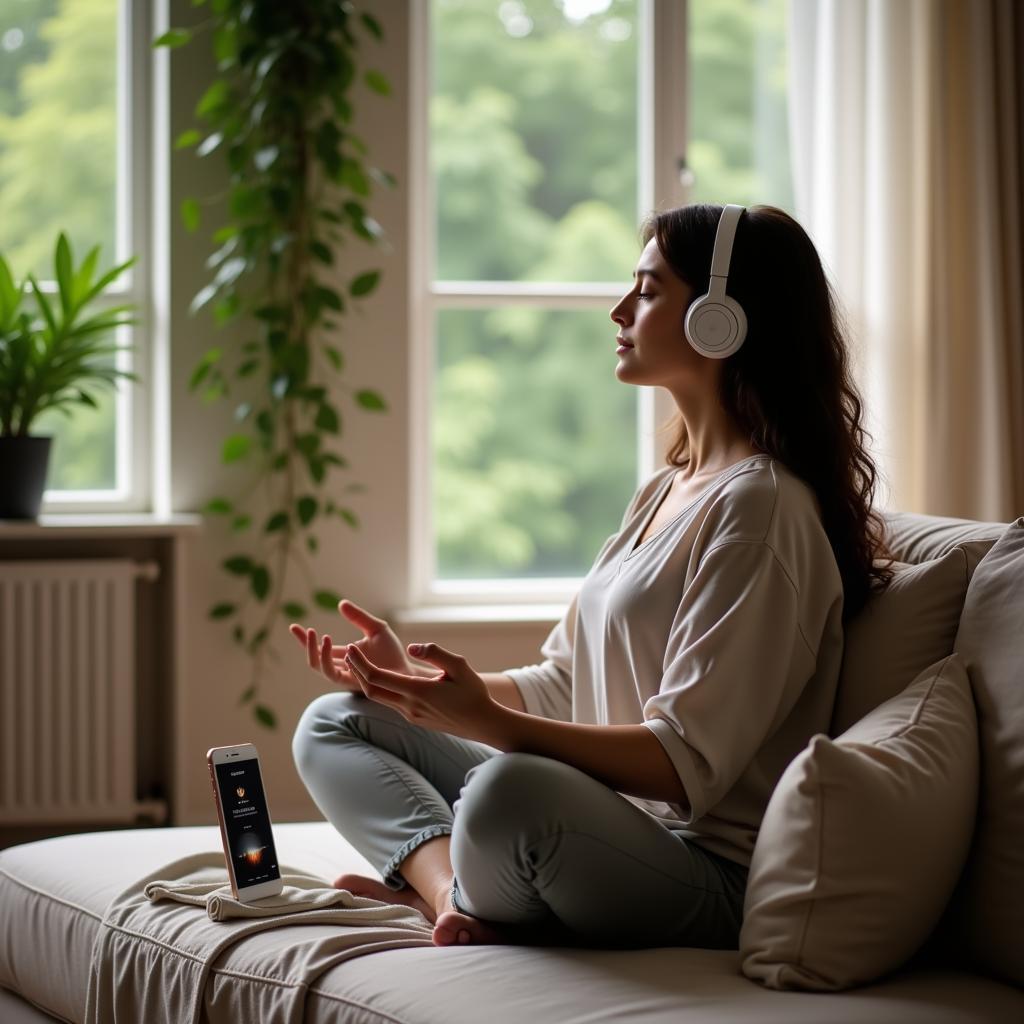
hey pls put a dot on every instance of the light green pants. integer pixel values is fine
(535, 842)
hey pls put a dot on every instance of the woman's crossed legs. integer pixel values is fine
(540, 852)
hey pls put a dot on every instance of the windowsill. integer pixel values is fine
(99, 524)
(480, 615)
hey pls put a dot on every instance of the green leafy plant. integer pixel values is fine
(280, 113)
(55, 358)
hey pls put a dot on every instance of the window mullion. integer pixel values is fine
(487, 299)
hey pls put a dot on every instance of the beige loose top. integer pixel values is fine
(721, 633)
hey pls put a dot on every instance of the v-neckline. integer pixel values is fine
(663, 494)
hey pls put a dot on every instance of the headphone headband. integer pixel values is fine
(715, 324)
(724, 238)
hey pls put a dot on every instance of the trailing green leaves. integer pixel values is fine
(174, 38)
(371, 401)
(265, 716)
(279, 112)
(364, 284)
(190, 214)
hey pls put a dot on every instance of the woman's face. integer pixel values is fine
(650, 321)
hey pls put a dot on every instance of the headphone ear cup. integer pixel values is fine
(715, 328)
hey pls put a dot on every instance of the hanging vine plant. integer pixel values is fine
(280, 113)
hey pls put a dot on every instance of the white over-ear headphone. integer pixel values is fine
(715, 324)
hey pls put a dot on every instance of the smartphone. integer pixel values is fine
(244, 822)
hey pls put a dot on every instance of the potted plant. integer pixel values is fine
(51, 360)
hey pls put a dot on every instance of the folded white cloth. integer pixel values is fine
(172, 947)
(209, 888)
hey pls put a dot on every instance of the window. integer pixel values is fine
(73, 95)
(547, 129)
(738, 143)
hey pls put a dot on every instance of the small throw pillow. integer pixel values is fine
(987, 912)
(900, 632)
(863, 841)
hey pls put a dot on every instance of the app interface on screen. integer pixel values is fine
(250, 842)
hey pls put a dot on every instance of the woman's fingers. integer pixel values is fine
(332, 664)
(313, 649)
(327, 659)
(308, 639)
(447, 661)
(369, 624)
(299, 632)
(324, 657)
(400, 682)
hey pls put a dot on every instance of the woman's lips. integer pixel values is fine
(624, 346)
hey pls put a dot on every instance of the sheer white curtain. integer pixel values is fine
(905, 124)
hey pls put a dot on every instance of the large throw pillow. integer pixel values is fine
(899, 633)
(863, 840)
(914, 537)
(987, 913)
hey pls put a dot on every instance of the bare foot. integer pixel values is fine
(454, 928)
(361, 885)
(451, 927)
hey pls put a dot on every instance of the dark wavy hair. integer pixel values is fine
(789, 387)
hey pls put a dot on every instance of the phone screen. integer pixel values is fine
(247, 822)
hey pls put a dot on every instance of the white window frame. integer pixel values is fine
(662, 183)
(137, 131)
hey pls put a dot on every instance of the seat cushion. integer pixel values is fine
(51, 914)
(988, 912)
(899, 632)
(863, 840)
(49, 917)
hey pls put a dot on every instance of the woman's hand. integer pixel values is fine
(454, 699)
(379, 642)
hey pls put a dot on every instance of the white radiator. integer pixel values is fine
(67, 691)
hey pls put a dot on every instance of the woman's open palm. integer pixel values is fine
(379, 644)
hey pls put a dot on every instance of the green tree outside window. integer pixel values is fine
(533, 127)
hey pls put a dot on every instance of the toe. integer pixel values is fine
(347, 881)
(447, 932)
(454, 928)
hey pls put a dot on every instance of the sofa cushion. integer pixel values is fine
(863, 840)
(898, 633)
(914, 537)
(988, 909)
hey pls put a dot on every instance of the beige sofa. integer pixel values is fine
(805, 928)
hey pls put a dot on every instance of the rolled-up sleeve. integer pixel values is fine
(546, 688)
(735, 664)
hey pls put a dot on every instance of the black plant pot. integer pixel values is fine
(23, 462)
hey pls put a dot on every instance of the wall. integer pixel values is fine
(369, 565)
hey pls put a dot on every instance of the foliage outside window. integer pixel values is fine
(59, 79)
(534, 113)
(533, 127)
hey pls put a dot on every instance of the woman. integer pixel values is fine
(611, 795)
